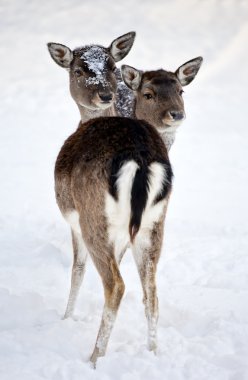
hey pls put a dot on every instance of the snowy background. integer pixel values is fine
(203, 272)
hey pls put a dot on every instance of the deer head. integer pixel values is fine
(92, 70)
(158, 94)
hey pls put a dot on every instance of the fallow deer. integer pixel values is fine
(158, 96)
(113, 180)
(93, 77)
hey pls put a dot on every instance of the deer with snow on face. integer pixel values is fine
(113, 181)
(92, 71)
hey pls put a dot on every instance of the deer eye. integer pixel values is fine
(78, 72)
(181, 92)
(148, 96)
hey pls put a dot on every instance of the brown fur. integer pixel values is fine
(86, 170)
(166, 90)
(86, 94)
(158, 95)
(84, 159)
(93, 87)
(82, 173)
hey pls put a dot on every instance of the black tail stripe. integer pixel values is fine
(139, 195)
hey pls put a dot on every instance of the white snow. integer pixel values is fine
(124, 100)
(203, 270)
(95, 58)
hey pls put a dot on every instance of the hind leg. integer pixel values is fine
(146, 252)
(113, 291)
(79, 261)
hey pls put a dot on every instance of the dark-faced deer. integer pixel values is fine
(113, 181)
(158, 96)
(92, 71)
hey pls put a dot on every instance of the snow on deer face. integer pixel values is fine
(92, 77)
(91, 68)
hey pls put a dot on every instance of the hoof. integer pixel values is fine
(93, 359)
(152, 346)
(65, 317)
(95, 355)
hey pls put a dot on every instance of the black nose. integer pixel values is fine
(177, 115)
(105, 97)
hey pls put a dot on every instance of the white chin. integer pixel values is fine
(168, 128)
(97, 106)
(104, 106)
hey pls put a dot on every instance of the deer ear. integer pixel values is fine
(187, 72)
(131, 77)
(61, 54)
(120, 47)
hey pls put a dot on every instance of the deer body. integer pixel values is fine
(114, 192)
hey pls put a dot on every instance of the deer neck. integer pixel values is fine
(168, 138)
(87, 114)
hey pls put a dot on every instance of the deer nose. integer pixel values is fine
(176, 115)
(105, 97)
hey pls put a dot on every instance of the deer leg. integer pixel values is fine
(147, 272)
(146, 254)
(119, 256)
(78, 269)
(113, 291)
(151, 303)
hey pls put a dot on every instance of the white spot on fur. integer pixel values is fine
(118, 212)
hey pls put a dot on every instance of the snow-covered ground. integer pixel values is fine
(203, 271)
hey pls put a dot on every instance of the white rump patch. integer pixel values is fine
(95, 57)
(119, 212)
(152, 213)
(157, 179)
